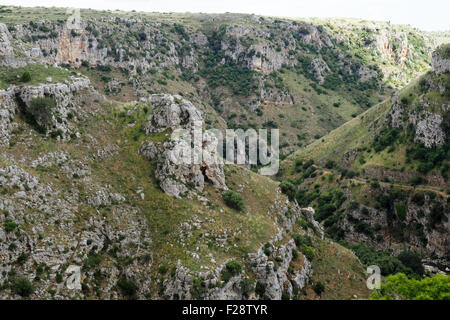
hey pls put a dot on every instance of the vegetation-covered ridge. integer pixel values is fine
(382, 178)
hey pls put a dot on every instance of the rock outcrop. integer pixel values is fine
(181, 164)
(440, 59)
(53, 245)
(65, 108)
(170, 113)
(8, 109)
(57, 119)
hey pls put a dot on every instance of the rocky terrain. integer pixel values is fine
(95, 204)
(243, 70)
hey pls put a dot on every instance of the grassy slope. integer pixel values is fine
(339, 270)
(38, 72)
(357, 135)
(349, 136)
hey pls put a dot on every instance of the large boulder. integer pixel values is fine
(171, 112)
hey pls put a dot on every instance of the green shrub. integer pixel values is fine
(288, 189)
(319, 288)
(92, 261)
(22, 286)
(437, 214)
(300, 240)
(9, 225)
(231, 269)
(247, 286)
(26, 76)
(162, 269)
(401, 210)
(22, 258)
(260, 289)
(308, 252)
(234, 200)
(419, 198)
(415, 181)
(128, 287)
(234, 267)
(330, 164)
(364, 227)
(198, 288)
(42, 105)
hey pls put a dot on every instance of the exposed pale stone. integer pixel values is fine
(439, 62)
(429, 131)
(177, 168)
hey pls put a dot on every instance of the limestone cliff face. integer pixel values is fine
(393, 46)
(441, 59)
(432, 241)
(68, 97)
(177, 168)
(427, 120)
(138, 46)
(5, 44)
(8, 109)
(74, 49)
(7, 55)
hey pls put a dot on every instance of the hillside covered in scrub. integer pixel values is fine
(383, 177)
(303, 77)
(93, 207)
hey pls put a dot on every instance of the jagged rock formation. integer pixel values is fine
(177, 168)
(66, 104)
(8, 109)
(440, 60)
(427, 124)
(170, 113)
(68, 97)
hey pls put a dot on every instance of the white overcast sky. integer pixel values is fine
(423, 14)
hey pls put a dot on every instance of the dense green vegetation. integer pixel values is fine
(234, 200)
(22, 286)
(406, 262)
(399, 287)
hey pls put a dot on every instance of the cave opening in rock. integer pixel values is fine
(203, 169)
